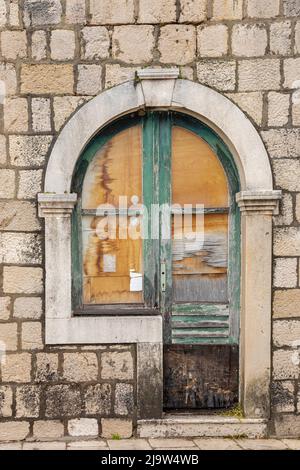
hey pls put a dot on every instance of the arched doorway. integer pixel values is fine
(159, 89)
(160, 186)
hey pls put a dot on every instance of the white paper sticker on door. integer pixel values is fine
(109, 263)
(136, 281)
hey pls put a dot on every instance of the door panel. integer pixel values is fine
(200, 377)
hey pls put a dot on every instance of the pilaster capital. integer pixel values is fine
(59, 205)
(262, 202)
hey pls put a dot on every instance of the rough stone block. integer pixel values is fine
(280, 38)
(22, 280)
(117, 365)
(62, 44)
(80, 367)
(249, 40)
(30, 183)
(39, 45)
(157, 11)
(17, 368)
(259, 74)
(41, 114)
(45, 12)
(42, 79)
(46, 367)
(291, 71)
(285, 272)
(121, 427)
(212, 40)
(286, 303)
(278, 109)
(51, 429)
(177, 44)
(14, 44)
(96, 42)
(251, 103)
(19, 216)
(287, 174)
(6, 401)
(283, 396)
(14, 431)
(192, 11)
(3, 152)
(98, 399)
(32, 335)
(89, 79)
(297, 38)
(282, 143)
(28, 401)
(286, 333)
(124, 37)
(64, 107)
(28, 307)
(116, 74)
(29, 150)
(5, 304)
(286, 241)
(287, 425)
(7, 184)
(229, 10)
(9, 336)
(124, 399)
(15, 115)
(9, 77)
(75, 12)
(285, 364)
(286, 215)
(291, 8)
(21, 248)
(116, 12)
(3, 13)
(86, 427)
(265, 9)
(63, 401)
(217, 74)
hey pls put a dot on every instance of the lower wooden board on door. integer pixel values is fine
(200, 376)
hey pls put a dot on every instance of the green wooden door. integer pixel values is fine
(190, 258)
(198, 288)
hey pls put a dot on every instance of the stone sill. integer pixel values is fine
(202, 426)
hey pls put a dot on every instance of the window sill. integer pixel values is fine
(104, 329)
(115, 310)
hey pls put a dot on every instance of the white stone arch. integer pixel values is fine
(204, 103)
(257, 201)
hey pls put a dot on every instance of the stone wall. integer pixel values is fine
(56, 55)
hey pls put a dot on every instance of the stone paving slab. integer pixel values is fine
(130, 444)
(87, 445)
(262, 444)
(293, 444)
(175, 444)
(172, 443)
(216, 444)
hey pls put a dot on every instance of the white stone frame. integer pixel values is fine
(162, 89)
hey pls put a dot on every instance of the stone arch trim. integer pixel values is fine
(161, 90)
(257, 201)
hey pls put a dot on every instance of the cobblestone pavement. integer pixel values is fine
(159, 444)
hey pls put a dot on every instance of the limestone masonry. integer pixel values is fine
(57, 55)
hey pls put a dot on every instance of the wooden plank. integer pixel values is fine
(203, 309)
(200, 376)
(197, 175)
(164, 150)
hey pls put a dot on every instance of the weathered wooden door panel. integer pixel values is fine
(200, 376)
